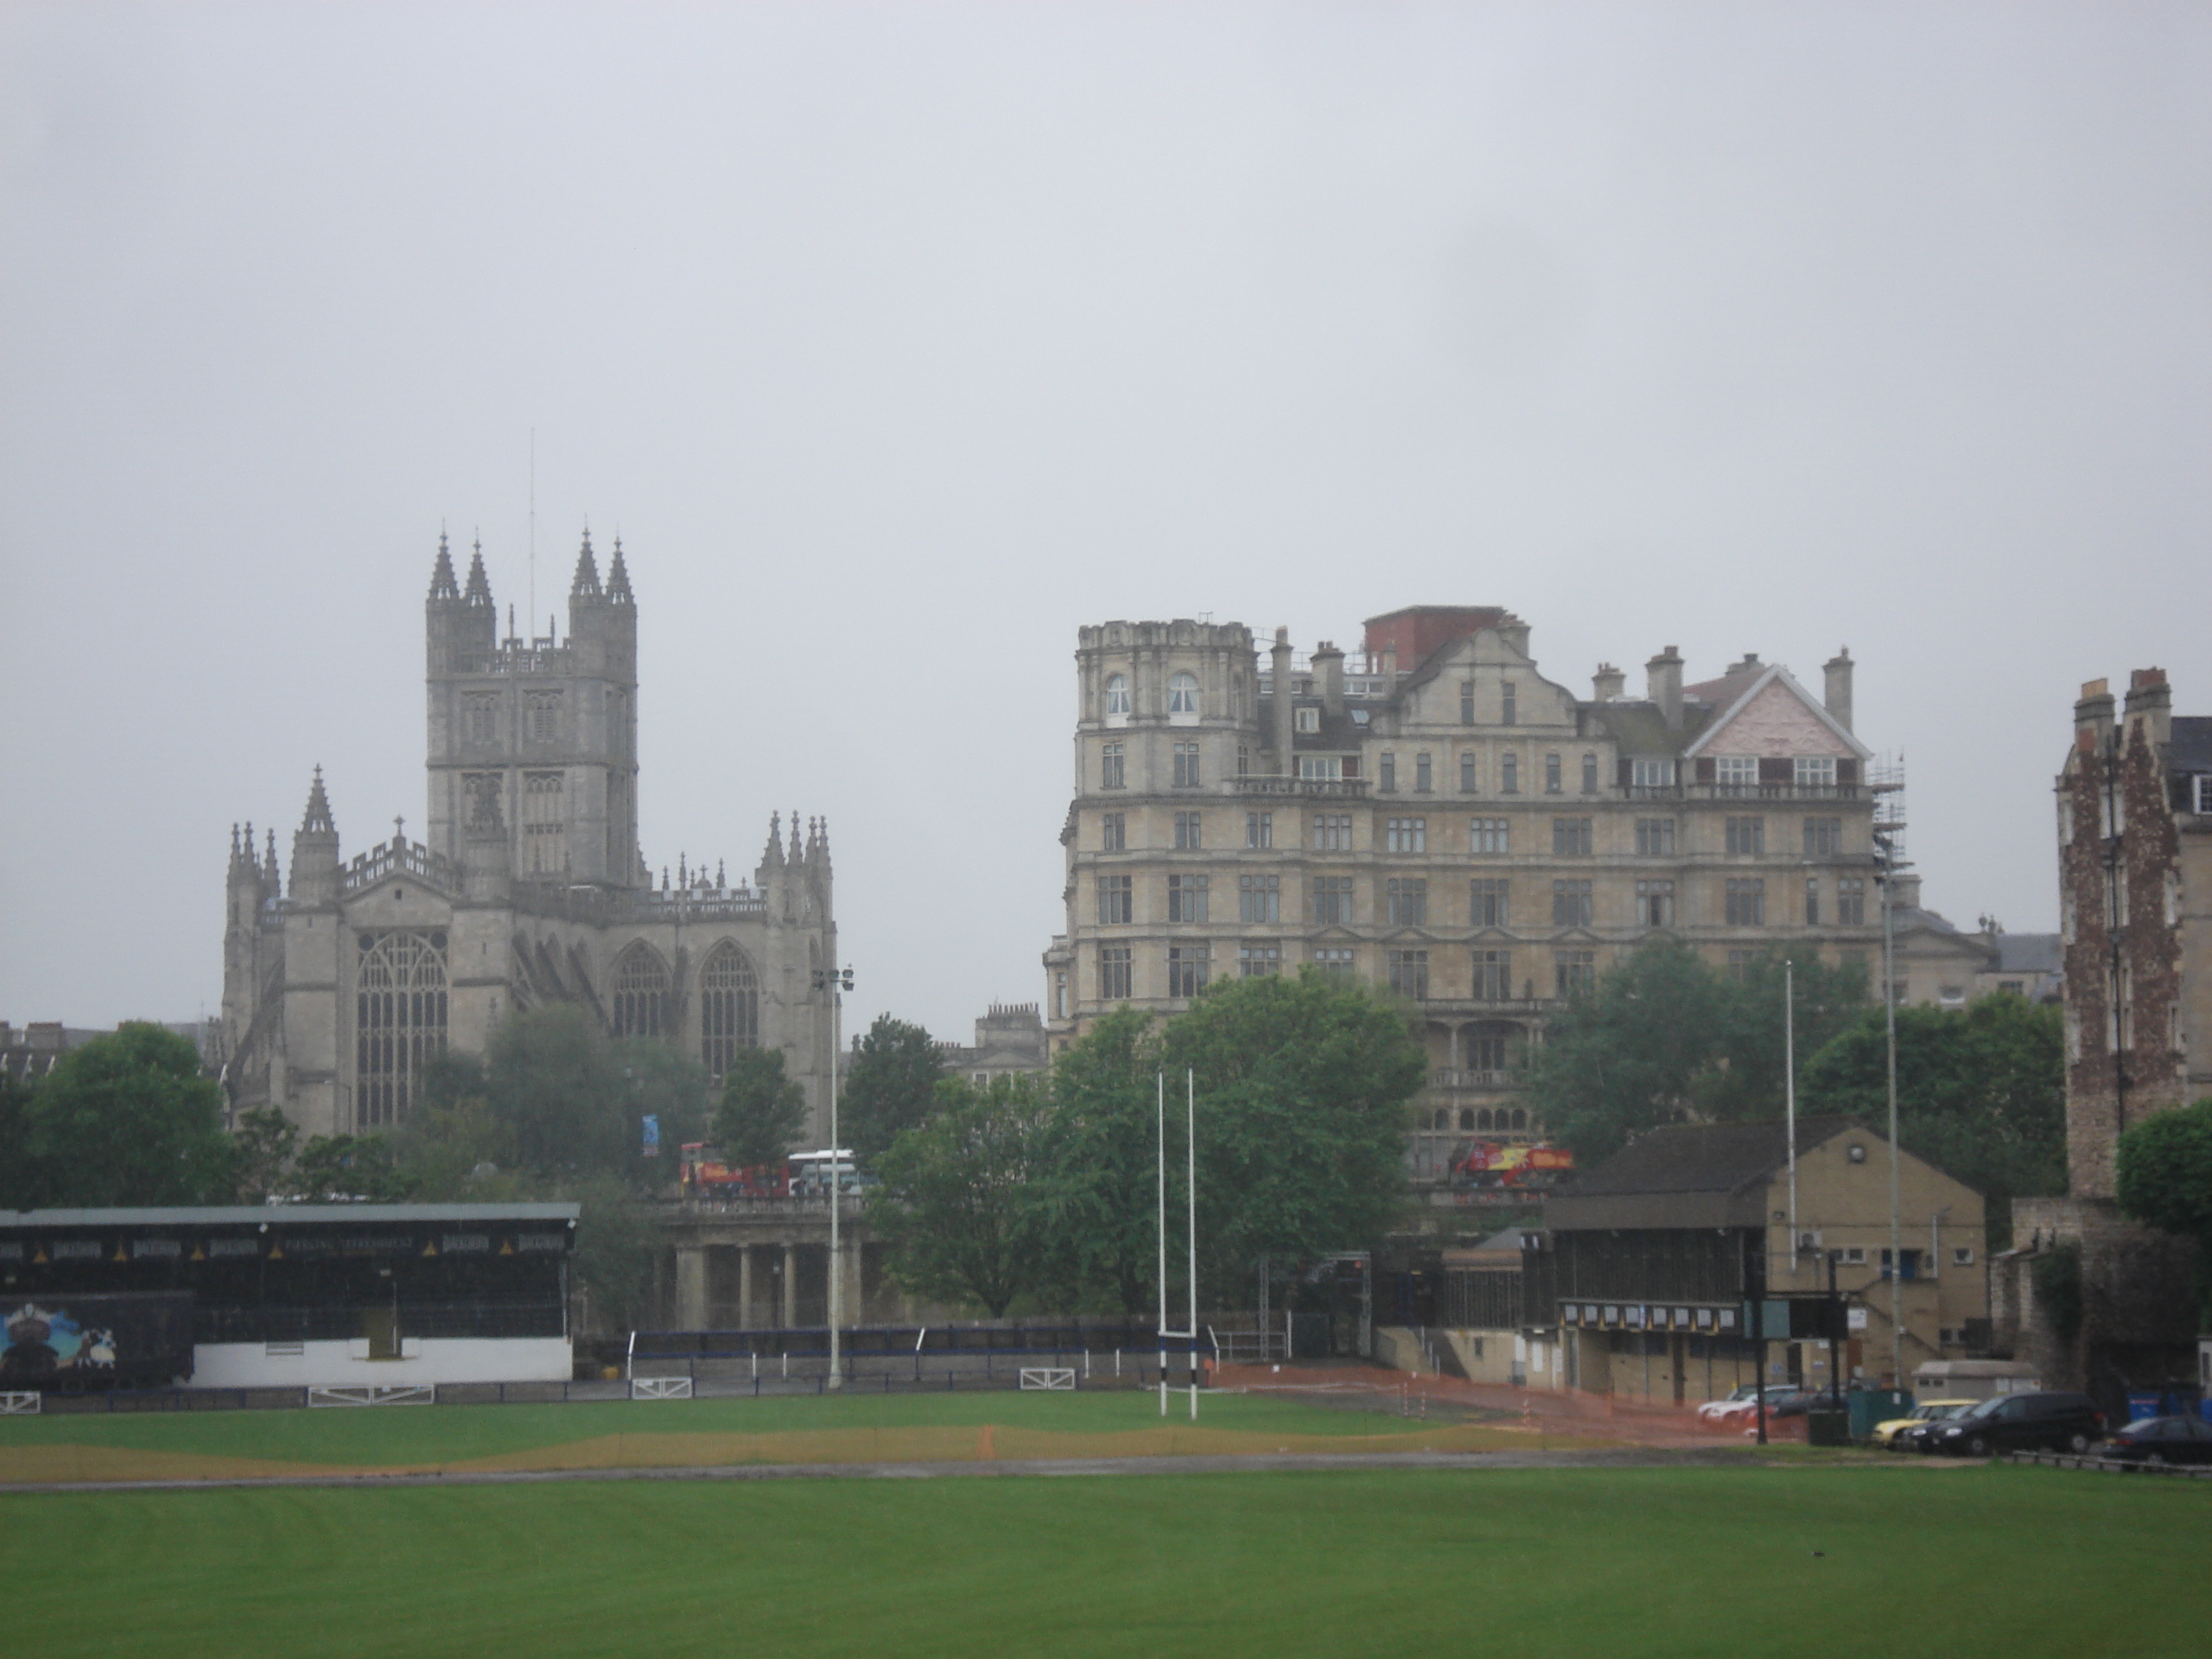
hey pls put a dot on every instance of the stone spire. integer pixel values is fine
(442, 585)
(268, 869)
(772, 857)
(479, 588)
(318, 820)
(587, 584)
(797, 850)
(617, 577)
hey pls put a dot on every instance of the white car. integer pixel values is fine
(1715, 1411)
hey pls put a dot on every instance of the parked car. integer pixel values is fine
(1890, 1434)
(1713, 1410)
(2019, 1422)
(2162, 1440)
(1780, 1402)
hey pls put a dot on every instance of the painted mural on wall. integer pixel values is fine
(46, 1342)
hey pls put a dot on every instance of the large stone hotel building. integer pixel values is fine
(1435, 816)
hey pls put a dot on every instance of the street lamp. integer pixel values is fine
(835, 981)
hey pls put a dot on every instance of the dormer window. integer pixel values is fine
(1182, 694)
(1117, 695)
(1737, 771)
(1651, 773)
(1816, 771)
(1309, 718)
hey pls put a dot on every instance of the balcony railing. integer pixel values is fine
(1745, 792)
(1447, 1078)
(1311, 788)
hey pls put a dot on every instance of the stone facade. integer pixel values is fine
(1010, 1042)
(2134, 871)
(338, 986)
(1435, 816)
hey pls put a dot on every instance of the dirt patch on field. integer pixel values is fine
(59, 1464)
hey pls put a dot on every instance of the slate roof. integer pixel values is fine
(1641, 729)
(2029, 953)
(2189, 748)
(1704, 1158)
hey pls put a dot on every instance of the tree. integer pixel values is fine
(1981, 1093)
(350, 1167)
(1304, 1087)
(889, 1088)
(1663, 1038)
(20, 1185)
(261, 1149)
(551, 1078)
(1102, 1236)
(661, 1081)
(2164, 1180)
(959, 1207)
(127, 1118)
(762, 1112)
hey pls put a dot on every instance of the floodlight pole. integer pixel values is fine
(1789, 1095)
(1887, 853)
(835, 981)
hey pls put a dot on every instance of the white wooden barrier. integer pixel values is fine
(1048, 1377)
(373, 1393)
(660, 1388)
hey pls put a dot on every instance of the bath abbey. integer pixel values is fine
(342, 977)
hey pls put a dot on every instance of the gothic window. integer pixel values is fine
(482, 792)
(1182, 694)
(541, 716)
(481, 718)
(729, 1009)
(545, 823)
(641, 995)
(1117, 695)
(400, 1006)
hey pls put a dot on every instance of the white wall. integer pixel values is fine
(424, 1360)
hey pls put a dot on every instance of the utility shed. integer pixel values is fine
(1647, 1261)
(294, 1294)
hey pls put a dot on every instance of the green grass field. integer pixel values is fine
(2006, 1562)
(404, 1435)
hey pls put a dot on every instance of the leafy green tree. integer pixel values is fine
(261, 1147)
(127, 1118)
(342, 1167)
(617, 1239)
(762, 1112)
(662, 1081)
(1663, 1038)
(20, 1185)
(960, 1203)
(553, 1079)
(2165, 1181)
(889, 1088)
(1102, 1236)
(1305, 1088)
(1981, 1093)
(2165, 1171)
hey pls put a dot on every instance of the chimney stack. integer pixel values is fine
(1609, 681)
(1284, 696)
(2150, 704)
(1328, 675)
(1838, 699)
(2092, 715)
(1663, 682)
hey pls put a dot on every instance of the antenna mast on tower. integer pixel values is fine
(533, 526)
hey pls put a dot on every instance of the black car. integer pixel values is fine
(2019, 1422)
(2162, 1440)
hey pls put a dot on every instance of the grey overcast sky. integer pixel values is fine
(899, 341)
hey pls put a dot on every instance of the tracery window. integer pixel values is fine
(400, 1026)
(545, 823)
(729, 1009)
(543, 716)
(640, 995)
